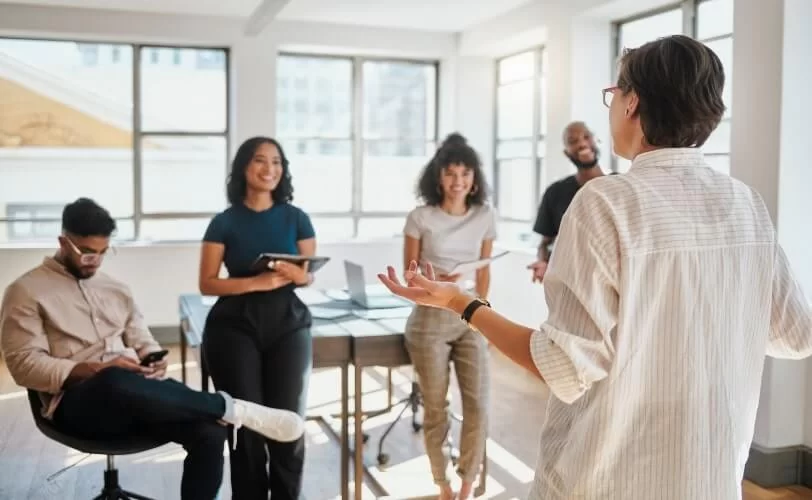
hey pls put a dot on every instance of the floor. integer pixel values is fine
(28, 459)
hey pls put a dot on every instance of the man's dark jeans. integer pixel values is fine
(117, 402)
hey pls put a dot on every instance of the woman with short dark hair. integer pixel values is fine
(666, 290)
(257, 342)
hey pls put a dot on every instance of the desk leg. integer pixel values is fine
(359, 437)
(182, 355)
(345, 432)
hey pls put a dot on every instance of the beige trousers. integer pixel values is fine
(434, 339)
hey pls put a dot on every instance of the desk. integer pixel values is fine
(337, 343)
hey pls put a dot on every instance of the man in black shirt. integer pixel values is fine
(580, 148)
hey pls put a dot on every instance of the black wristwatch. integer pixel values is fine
(473, 306)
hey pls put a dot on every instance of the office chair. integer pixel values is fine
(111, 490)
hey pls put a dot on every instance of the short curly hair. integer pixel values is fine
(237, 185)
(453, 151)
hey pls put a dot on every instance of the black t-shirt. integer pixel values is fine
(554, 203)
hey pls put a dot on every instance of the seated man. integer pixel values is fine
(76, 336)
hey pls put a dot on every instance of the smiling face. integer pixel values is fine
(456, 181)
(265, 169)
(580, 146)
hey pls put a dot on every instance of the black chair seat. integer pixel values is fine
(122, 446)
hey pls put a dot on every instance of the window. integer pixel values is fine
(349, 127)
(521, 128)
(714, 27)
(69, 129)
(711, 23)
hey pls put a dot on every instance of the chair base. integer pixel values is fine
(113, 491)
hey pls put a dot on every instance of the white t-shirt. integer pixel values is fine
(445, 239)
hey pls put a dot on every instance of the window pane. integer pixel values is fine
(724, 49)
(516, 192)
(314, 97)
(200, 163)
(714, 18)
(518, 67)
(719, 162)
(522, 148)
(183, 90)
(388, 164)
(719, 141)
(174, 229)
(65, 124)
(399, 100)
(332, 229)
(514, 108)
(517, 232)
(47, 231)
(636, 33)
(322, 174)
(380, 227)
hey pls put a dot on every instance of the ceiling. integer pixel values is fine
(430, 15)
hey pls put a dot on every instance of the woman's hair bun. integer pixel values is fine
(455, 139)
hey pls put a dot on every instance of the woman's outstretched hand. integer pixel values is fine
(425, 289)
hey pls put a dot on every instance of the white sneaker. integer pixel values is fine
(273, 423)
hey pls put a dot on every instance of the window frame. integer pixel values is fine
(356, 137)
(690, 25)
(139, 50)
(536, 156)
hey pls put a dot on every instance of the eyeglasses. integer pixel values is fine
(608, 94)
(89, 257)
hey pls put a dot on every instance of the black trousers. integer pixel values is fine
(258, 347)
(117, 402)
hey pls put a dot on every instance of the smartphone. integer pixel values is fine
(154, 357)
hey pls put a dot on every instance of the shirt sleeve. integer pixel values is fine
(413, 228)
(575, 347)
(544, 224)
(25, 344)
(136, 333)
(790, 322)
(216, 230)
(304, 226)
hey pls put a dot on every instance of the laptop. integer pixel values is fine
(369, 297)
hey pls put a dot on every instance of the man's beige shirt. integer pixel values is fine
(50, 321)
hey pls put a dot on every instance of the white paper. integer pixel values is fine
(473, 265)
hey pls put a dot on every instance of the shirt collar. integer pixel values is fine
(52, 264)
(670, 157)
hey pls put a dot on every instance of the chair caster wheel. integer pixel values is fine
(417, 427)
(383, 459)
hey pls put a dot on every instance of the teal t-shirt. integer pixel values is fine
(247, 233)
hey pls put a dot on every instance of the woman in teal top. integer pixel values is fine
(257, 341)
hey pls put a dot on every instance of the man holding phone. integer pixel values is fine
(76, 337)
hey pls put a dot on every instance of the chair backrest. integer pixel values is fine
(36, 405)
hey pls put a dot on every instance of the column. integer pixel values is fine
(579, 65)
(771, 105)
(253, 83)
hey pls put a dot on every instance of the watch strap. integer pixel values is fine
(473, 306)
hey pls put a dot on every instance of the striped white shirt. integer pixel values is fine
(666, 290)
